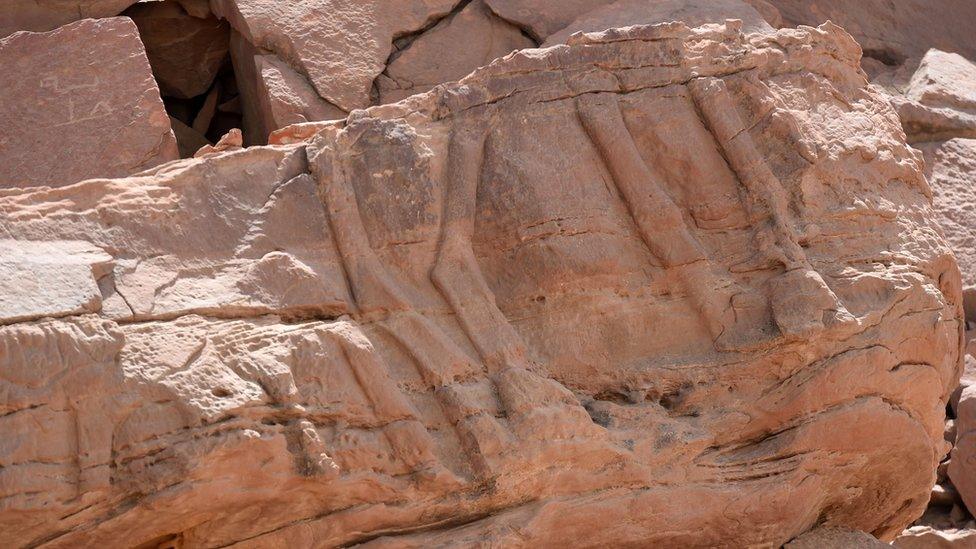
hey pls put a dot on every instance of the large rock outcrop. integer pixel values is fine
(534, 308)
(46, 15)
(79, 102)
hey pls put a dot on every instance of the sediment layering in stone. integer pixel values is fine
(658, 286)
(79, 102)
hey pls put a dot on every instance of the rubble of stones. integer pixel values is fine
(97, 91)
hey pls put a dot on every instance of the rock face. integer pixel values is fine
(624, 13)
(457, 45)
(951, 171)
(185, 52)
(892, 31)
(79, 102)
(535, 308)
(46, 15)
(340, 46)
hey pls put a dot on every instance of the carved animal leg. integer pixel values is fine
(438, 359)
(800, 298)
(375, 291)
(459, 278)
(659, 220)
(406, 434)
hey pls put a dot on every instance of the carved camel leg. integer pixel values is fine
(659, 220)
(460, 280)
(800, 298)
(376, 291)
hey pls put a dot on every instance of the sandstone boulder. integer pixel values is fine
(79, 102)
(951, 171)
(892, 31)
(185, 52)
(534, 308)
(962, 466)
(926, 537)
(835, 538)
(285, 97)
(624, 13)
(457, 45)
(340, 46)
(541, 18)
(46, 15)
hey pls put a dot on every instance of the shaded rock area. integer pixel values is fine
(74, 109)
(533, 308)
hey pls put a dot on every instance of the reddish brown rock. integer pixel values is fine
(533, 308)
(541, 18)
(624, 13)
(46, 15)
(340, 46)
(79, 102)
(185, 51)
(951, 171)
(474, 37)
(835, 538)
(892, 31)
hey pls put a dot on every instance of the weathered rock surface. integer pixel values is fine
(951, 172)
(185, 52)
(340, 46)
(46, 15)
(457, 45)
(79, 102)
(892, 31)
(534, 308)
(924, 537)
(541, 18)
(624, 13)
(939, 101)
(285, 97)
(835, 538)
(963, 462)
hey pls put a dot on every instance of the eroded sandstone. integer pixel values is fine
(654, 265)
(79, 102)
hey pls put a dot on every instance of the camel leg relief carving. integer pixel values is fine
(800, 299)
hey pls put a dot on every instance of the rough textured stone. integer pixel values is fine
(457, 45)
(46, 15)
(285, 97)
(340, 46)
(951, 171)
(835, 538)
(963, 463)
(624, 13)
(79, 102)
(945, 80)
(541, 18)
(534, 308)
(925, 537)
(185, 52)
(892, 31)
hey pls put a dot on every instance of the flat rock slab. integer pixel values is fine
(79, 102)
(49, 278)
(45, 15)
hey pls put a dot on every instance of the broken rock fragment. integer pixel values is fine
(79, 102)
(340, 46)
(457, 45)
(693, 13)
